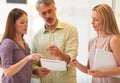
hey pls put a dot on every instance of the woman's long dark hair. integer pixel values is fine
(14, 14)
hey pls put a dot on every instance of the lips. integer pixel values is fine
(25, 30)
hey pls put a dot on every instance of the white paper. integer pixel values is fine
(54, 65)
(104, 60)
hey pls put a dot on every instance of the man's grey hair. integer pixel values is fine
(46, 2)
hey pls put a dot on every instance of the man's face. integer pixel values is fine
(48, 13)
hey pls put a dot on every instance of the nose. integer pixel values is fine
(26, 24)
(92, 22)
(47, 14)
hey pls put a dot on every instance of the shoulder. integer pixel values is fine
(91, 42)
(115, 41)
(36, 36)
(7, 43)
(66, 25)
(38, 33)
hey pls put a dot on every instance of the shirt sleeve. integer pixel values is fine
(35, 64)
(72, 43)
(6, 53)
(34, 50)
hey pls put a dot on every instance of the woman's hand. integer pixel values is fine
(35, 56)
(74, 62)
(97, 73)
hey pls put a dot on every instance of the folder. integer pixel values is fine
(104, 60)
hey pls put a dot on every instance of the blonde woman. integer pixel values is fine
(108, 39)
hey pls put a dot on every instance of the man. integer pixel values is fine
(56, 40)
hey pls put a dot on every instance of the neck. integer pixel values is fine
(102, 35)
(20, 41)
(18, 38)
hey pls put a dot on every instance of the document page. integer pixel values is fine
(54, 65)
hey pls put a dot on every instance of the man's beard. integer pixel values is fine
(50, 22)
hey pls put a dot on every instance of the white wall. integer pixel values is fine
(117, 12)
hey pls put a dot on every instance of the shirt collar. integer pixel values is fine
(59, 26)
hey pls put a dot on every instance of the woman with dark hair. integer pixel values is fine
(14, 52)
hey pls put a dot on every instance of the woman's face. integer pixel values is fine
(21, 25)
(97, 21)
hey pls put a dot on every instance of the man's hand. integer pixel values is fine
(41, 71)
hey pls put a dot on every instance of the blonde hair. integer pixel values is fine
(110, 25)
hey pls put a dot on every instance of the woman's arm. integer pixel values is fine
(13, 69)
(81, 67)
